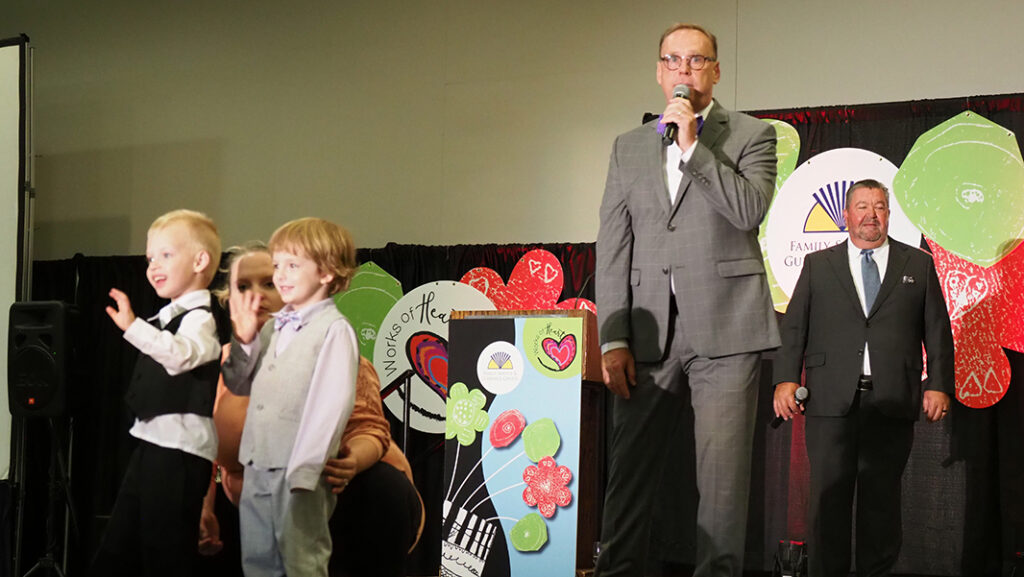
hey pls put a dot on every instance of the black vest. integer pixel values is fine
(153, 392)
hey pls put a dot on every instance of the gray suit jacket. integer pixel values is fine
(706, 240)
(825, 329)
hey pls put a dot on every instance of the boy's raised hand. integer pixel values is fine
(245, 307)
(122, 315)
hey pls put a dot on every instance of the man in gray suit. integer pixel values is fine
(857, 320)
(683, 300)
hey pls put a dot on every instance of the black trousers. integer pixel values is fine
(154, 527)
(862, 453)
(374, 524)
(372, 528)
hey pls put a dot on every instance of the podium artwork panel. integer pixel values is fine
(512, 446)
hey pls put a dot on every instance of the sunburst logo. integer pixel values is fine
(807, 213)
(500, 361)
(500, 367)
(827, 213)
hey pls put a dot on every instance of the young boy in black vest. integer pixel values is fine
(154, 526)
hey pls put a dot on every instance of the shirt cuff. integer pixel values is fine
(612, 345)
(688, 153)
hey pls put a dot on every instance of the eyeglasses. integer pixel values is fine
(694, 62)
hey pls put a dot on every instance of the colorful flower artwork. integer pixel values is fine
(541, 439)
(546, 486)
(465, 417)
(506, 428)
(529, 533)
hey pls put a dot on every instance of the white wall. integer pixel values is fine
(451, 121)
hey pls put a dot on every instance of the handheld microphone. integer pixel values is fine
(679, 91)
(800, 396)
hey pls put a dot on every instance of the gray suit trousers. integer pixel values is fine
(723, 394)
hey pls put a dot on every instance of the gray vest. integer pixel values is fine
(279, 393)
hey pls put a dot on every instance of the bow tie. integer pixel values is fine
(700, 125)
(282, 320)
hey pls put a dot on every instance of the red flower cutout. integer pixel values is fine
(506, 428)
(546, 486)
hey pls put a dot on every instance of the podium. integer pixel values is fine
(524, 450)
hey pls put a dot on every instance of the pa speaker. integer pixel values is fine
(38, 358)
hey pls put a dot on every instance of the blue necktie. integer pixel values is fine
(700, 124)
(872, 282)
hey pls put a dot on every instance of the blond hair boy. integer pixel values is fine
(154, 526)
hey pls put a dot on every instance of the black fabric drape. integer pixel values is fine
(962, 490)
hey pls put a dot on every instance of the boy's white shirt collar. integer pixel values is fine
(188, 301)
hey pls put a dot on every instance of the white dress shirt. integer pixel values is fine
(881, 258)
(194, 344)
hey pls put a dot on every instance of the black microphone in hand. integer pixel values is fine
(671, 129)
(800, 396)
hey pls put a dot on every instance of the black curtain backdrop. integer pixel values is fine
(963, 489)
(964, 485)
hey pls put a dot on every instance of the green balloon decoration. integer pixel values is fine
(541, 439)
(529, 534)
(962, 185)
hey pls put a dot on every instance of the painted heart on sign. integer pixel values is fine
(575, 303)
(535, 283)
(428, 355)
(965, 292)
(562, 352)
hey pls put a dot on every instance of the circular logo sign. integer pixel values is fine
(500, 367)
(807, 216)
(413, 343)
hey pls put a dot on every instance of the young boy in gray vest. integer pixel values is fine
(154, 524)
(300, 374)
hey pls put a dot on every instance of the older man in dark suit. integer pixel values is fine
(856, 323)
(683, 301)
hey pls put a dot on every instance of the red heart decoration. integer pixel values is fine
(428, 355)
(562, 352)
(535, 283)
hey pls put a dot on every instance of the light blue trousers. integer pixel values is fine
(284, 533)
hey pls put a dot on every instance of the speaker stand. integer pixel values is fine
(59, 491)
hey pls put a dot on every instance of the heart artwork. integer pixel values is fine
(535, 283)
(964, 292)
(562, 352)
(428, 355)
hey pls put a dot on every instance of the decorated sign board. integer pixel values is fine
(522, 475)
(959, 191)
